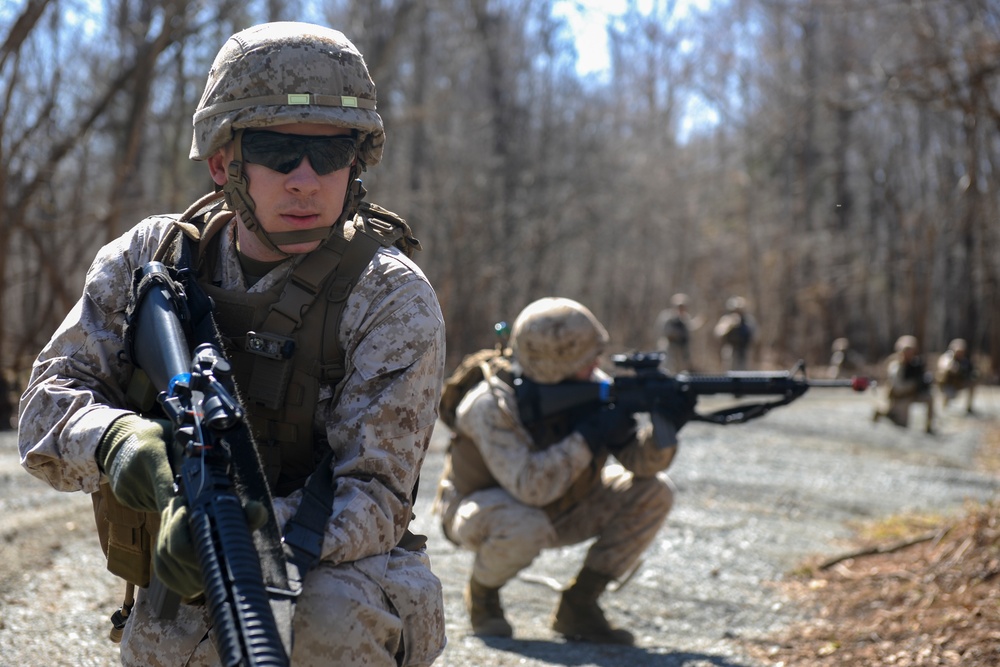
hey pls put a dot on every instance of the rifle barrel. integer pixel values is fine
(747, 382)
(858, 383)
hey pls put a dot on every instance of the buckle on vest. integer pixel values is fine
(271, 346)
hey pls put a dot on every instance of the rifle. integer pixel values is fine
(196, 395)
(670, 400)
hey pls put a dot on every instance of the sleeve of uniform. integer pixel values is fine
(535, 477)
(380, 427)
(77, 382)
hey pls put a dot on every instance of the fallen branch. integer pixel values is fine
(935, 535)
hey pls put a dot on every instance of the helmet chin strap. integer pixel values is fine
(237, 193)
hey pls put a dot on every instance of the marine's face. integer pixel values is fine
(301, 199)
(586, 372)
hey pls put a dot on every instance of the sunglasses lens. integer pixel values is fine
(272, 150)
(284, 152)
(329, 154)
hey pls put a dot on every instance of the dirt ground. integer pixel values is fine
(918, 590)
(810, 537)
(930, 598)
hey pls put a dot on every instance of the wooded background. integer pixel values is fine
(836, 162)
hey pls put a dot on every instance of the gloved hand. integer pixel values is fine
(134, 453)
(607, 428)
(175, 559)
(681, 411)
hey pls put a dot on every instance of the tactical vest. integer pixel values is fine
(465, 468)
(284, 346)
(676, 331)
(738, 334)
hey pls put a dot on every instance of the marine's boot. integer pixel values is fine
(485, 612)
(580, 619)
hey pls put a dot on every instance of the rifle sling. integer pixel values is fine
(304, 532)
(742, 413)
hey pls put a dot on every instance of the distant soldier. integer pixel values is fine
(673, 329)
(844, 361)
(735, 331)
(956, 373)
(908, 382)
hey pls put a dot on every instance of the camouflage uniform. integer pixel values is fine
(844, 361)
(956, 372)
(673, 329)
(907, 383)
(735, 331)
(366, 602)
(508, 490)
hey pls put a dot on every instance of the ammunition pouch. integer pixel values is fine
(127, 537)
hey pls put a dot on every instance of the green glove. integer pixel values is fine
(174, 559)
(134, 454)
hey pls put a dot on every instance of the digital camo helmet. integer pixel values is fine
(553, 338)
(279, 73)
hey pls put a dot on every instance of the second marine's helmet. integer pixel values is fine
(554, 338)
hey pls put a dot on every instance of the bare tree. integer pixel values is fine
(849, 187)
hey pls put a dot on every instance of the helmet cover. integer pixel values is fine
(907, 342)
(287, 72)
(553, 338)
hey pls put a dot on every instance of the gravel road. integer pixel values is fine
(753, 502)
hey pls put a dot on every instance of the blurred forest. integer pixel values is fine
(836, 162)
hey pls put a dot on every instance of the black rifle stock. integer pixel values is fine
(646, 389)
(195, 397)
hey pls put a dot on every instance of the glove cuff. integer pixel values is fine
(133, 455)
(114, 435)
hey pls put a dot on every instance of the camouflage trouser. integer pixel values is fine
(950, 391)
(734, 358)
(678, 357)
(624, 513)
(365, 613)
(898, 410)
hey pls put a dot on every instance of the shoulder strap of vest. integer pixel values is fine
(375, 228)
(200, 223)
(389, 226)
(359, 254)
(345, 257)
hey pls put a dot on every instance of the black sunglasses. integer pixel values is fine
(284, 152)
